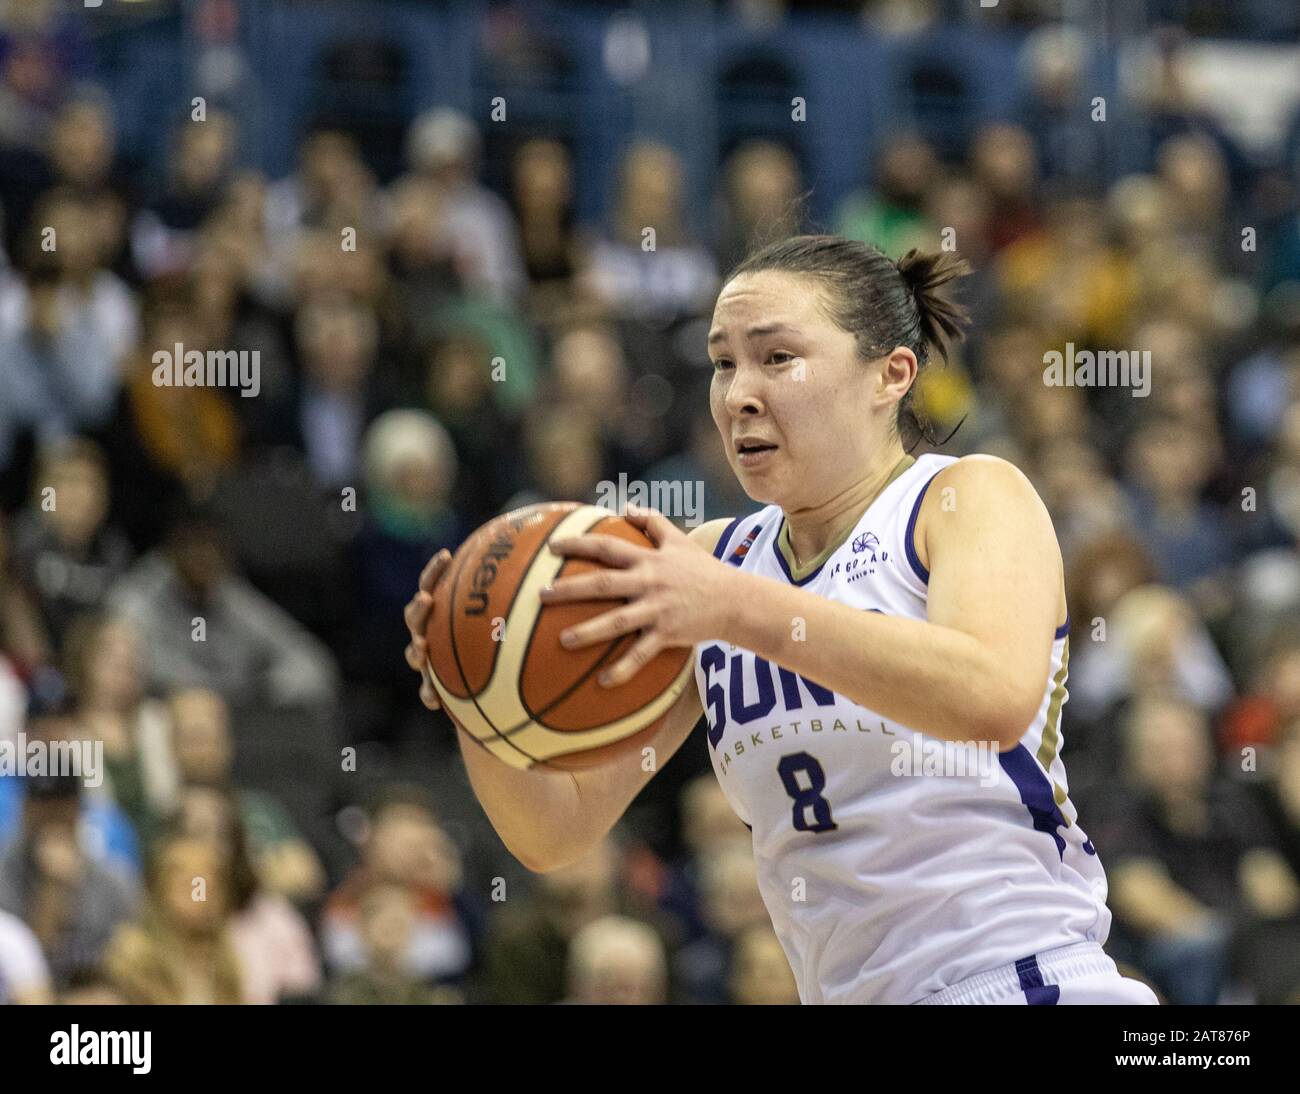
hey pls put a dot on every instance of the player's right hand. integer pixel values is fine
(417, 613)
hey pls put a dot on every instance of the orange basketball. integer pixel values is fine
(495, 653)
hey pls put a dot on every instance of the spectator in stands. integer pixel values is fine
(892, 216)
(410, 469)
(1085, 502)
(180, 951)
(525, 951)
(709, 827)
(285, 864)
(337, 339)
(1053, 61)
(443, 147)
(458, 388)
(64, 548)
(1191, 860)
(761, 185)
(543, 203)
(82, 155)
(1278, 794)
(277, 954)
(1150, 643)
(167, 443)
(70, 902)
(66, 326)
(331, 189)
(590, 373)
(954, 201)
(633, 274)
(565, 457)
(209, 628)
(105, 831)
(389, 914)
(165, 233)
(421, 255)
(1195, 174)
(1004, 162)
(1263, 715)
(43, 49)
(223, 287)
(730, 903)
(105, 679)
(406, 847)
(616, 960)
(1170, 462)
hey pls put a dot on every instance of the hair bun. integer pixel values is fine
(942, 320)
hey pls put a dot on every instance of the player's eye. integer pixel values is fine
(720, 364)
(781, 354)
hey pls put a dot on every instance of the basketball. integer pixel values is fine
(495, 653)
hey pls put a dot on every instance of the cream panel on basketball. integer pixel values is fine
(497, 718)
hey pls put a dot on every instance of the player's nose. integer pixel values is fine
(744, 394)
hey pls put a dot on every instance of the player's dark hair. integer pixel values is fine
(880, 302)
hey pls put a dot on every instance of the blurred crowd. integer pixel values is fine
(210, 586)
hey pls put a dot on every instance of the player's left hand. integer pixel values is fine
(675, 592)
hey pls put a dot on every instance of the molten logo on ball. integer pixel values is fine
(486, 572)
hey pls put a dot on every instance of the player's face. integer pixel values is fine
(795, 404)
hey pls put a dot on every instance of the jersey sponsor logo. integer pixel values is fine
(867, 542)
(867, 554)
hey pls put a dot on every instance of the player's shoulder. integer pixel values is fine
(991, 475)
(978, 494)
(710, 532)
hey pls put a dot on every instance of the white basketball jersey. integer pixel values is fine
(893, 864)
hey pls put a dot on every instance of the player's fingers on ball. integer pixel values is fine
(417, 613)
(433, 570)
(428, 696)
(416, 654)
(601, 585)
(650, 521)
(645, 512)
(630, 663)
(607, 549)
(608, 625)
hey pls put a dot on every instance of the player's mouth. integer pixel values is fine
(753, 452)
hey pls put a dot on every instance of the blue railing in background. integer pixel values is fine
(373, 66)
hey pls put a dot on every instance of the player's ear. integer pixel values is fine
(897, 373)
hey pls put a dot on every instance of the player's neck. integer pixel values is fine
(812, 531)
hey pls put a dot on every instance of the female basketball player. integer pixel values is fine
(880, 654)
